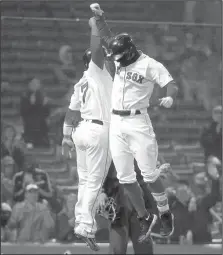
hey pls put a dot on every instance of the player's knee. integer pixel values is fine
(127, 179)
(152, 176)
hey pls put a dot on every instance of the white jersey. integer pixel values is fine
(92, 94)
(133, 85)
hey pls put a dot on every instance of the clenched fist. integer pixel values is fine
(96, 9)
(166, 102)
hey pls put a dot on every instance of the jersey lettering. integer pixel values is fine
(134, 77)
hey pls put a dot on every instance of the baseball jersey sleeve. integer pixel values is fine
(94, 70)
(158, 73)
(75, 101)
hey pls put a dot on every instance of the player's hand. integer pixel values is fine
(67, 147)
(102, 201)
(166, 102)
(95, 8)
(165, 170)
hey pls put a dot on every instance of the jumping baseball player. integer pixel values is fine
(131, 130)
(91, 137)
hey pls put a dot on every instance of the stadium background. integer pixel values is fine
(33, 31)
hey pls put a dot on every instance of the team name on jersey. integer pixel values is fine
(132, 76)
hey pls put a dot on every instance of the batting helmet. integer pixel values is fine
(87, 58)
(122, 48)
(110, 210)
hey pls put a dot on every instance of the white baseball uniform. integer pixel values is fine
(92, 96)
(133, 136)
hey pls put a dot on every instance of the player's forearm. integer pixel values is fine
(172, 89)
(97, 55)
(71, 120)
(104, 30)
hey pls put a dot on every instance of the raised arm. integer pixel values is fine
(102, 26)
(97, 55)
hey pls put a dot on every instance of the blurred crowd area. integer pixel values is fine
(42, 60)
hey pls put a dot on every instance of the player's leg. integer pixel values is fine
(143, 142)
(81, 170)
(98, 160)
(124, 164)
(134, 233)
(82, 177)
(80, 139)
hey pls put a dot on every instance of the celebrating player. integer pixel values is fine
(131, 131)
(92, 98)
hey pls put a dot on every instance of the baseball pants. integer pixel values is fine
(93, 161)
(133, 137)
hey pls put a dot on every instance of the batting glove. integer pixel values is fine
(67, 147)
(166, 102)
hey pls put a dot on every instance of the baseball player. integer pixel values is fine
(91, 138)
(131, 130)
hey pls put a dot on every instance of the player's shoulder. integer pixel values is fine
(152, 62)
(81, 82)
(92, 68)
(146, 60)
(96, 72)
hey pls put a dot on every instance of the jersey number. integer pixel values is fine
(84, 90)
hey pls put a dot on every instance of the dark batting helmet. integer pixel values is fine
(87, 58)
(122, 48)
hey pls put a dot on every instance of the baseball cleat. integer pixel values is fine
(88, 238)
(147, 224)
(167, 224)
(67, 252)
(91, 242)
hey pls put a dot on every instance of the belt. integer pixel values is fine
(125, 113)
(99, 122)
